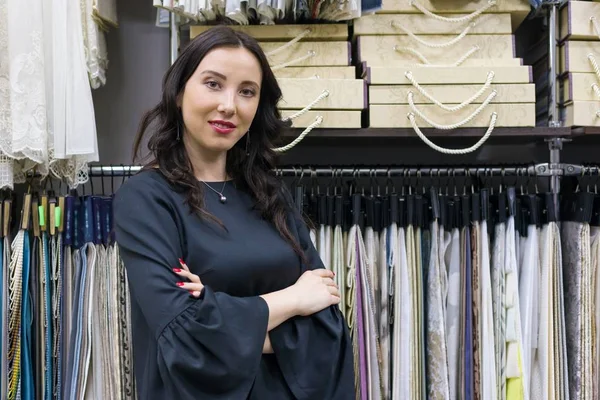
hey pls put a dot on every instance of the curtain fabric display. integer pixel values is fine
(491, 294)
(66, 334)
(478, 301)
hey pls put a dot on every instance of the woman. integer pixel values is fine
(229, 299)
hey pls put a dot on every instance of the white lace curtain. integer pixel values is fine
(52, 53)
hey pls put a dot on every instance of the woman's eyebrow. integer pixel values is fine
(220, 75)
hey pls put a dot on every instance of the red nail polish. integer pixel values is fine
(181, 261)
(176, 269)
(179, 283)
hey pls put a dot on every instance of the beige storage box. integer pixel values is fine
(469, 62)
(518, 9)
(580, 20)
(447, 76)
(330, 119)
(451, 94)
(318, 45)
(317, 72)
(450, 98)
(581, 113)
(577, 56)
(343, 94)
(420, 24)
(303, 54)
(284, 33)
(323, 102)
(579, 87)
(380, 51)
(508, 115)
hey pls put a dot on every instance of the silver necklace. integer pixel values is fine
(222, 198)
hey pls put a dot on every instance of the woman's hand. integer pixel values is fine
(315, 290)
(194, 286)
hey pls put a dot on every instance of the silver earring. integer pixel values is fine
(247, 143)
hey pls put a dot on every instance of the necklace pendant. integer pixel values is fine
(223, 199)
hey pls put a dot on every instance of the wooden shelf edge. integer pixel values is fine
(408, 132)
(586, 130)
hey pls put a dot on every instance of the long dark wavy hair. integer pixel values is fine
(250, 169)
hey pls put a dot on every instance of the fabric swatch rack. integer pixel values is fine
(427, 259)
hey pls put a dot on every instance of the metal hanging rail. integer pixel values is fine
(348, 171)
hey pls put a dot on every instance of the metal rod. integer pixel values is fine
(552, 169)
(555, 146)
(553, 113)
(174, 39)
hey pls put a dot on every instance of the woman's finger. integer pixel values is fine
(190, 286)
(183, 265)
(187, 274)
(329, 282)
(323, 273)
(334, 291)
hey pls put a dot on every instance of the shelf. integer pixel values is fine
(586, 130)
(409, 133)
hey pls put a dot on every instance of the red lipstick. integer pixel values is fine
(222, 127)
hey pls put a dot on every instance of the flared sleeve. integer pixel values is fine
(206, 348)
(314, 353)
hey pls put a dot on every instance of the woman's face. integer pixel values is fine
(220, 99)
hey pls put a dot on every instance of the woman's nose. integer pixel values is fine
(227, 104)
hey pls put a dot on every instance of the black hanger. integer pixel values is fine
(525, 219)
(378, 206)
(299, 198)
(322, 209)
(551, 211)
(339, 211)
(370, 210)
(595, 220)
(330, 210)
(402, 211)
(426, 213)
(451, 213)
(443, 211)
(502, 208)
(411, 218)
(312, 206)
(394, 210)
(386, 211)
(419, 220)
(577, 207)
(518, 216)
(356, 209)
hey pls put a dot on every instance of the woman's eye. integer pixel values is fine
(212, 85)
(248, 92)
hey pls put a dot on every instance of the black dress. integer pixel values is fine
(211, 347)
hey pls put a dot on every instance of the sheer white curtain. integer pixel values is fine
(52, 53)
